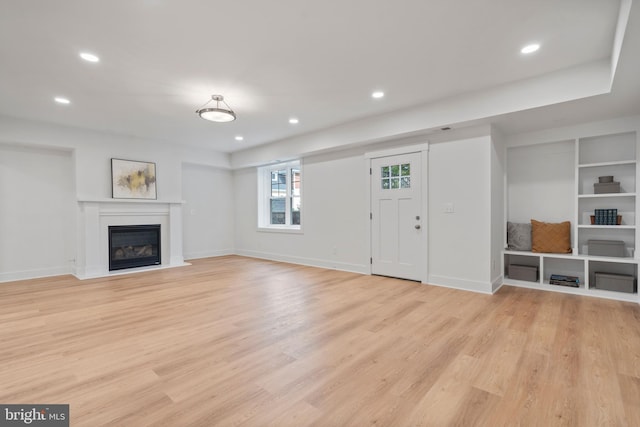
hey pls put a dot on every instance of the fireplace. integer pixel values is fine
(133, 246)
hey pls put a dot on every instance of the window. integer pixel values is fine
(396, 176)
(280, 196)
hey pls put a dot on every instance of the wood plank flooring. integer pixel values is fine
(236, 341)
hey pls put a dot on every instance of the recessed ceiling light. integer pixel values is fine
(239, 138)
(90, 57)
(530, 48)
(294, 121)
(377, 94)
(61, 100)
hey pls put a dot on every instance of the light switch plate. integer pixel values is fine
(448, 208)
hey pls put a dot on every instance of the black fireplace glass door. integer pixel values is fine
(133, 246)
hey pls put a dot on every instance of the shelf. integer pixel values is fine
(579, 257)
(547, 287)
(526, 253)
(619, 260)
(563, 288)
(521, 283)
(605, 195)
(597, 165)
(539, 254)
(608, 227)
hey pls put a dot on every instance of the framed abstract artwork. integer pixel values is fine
(133, 180)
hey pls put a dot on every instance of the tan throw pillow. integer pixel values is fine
(551, 238)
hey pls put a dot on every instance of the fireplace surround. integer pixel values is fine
(95, 218)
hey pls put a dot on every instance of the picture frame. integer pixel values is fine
(131, 179)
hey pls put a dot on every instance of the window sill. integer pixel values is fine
(288, 230)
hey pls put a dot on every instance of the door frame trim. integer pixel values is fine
(423, 149)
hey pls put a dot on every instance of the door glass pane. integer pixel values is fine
(391, 176)
(278, 211)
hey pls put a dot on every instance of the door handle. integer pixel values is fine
(417, 226)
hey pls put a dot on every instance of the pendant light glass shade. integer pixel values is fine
(219, 113)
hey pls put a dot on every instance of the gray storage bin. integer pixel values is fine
(615, 282)
(606, 187)
(613, 248)
(528, 273)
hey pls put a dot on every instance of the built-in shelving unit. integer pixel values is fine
(547, 197)
(581, 266)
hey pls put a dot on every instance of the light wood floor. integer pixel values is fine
(239, 341)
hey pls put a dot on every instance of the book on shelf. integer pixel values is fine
(606, 216)
(563, 280)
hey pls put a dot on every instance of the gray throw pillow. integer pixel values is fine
(519, 236)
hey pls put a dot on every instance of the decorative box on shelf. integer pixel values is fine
(610, 248)
(605, 185)
(615, 282)
(528, 273)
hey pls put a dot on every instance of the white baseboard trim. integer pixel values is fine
(208, 254)
(462, 284)
(87, 272)
(497, 284)
(312, 262)
(34, 274)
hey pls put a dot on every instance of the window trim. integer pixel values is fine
(264, 198)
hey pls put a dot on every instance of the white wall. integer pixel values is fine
(93, 169)
(541, 176)
(336, 226)
(93, 152)
(460, 242)
(334, 216)
(208, 212)
(87, 176)
(37, 232)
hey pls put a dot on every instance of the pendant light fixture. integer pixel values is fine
(218, 113)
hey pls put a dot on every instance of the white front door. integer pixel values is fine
(396, 221)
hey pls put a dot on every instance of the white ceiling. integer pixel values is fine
(320, 61)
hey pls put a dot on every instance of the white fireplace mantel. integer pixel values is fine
(95, 217)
